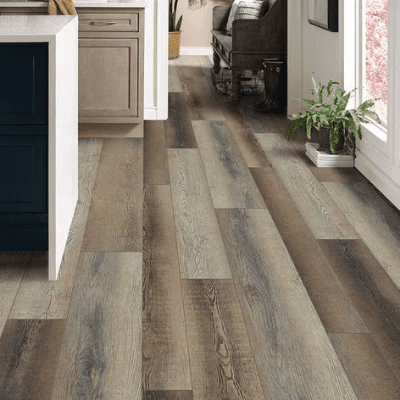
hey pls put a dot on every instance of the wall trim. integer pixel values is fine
(379, 179)
(196, 51)
(294, 56)
(161, 51)
(150, 113)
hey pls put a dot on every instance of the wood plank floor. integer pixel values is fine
(210, 260)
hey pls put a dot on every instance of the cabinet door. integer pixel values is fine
(108, 80)
(23, 83)
(23, 178)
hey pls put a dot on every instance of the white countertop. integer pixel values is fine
(32, 28)
(92, 3)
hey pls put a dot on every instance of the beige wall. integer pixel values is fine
(322, 52)
(196, 25)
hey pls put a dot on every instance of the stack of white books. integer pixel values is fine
(344, 159)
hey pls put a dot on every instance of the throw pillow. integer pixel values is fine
(231, 16)
(249, 9)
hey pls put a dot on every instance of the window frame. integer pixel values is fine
(380, 137)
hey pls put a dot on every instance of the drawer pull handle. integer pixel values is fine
(103, 23)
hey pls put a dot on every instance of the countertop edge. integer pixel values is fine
(80, 4)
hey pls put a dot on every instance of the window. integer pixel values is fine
(374, 55)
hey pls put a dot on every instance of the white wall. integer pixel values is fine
(322, 53)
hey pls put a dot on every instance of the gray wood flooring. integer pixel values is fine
(210, 260)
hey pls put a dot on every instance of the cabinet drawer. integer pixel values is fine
(109, 22)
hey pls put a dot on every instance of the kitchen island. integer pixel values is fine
(38, 133)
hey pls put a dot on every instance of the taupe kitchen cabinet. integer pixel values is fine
(110, 65)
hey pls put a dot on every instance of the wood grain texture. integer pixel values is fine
(155, 161)
(375, 219)
(29, 351)
(239, 128)
(35, 291)
(229, 179)
(200, 246)
(370, 376)
(260, 122)
(283, 326)
(317, 208)
(89, 156)
(199, 95)
(101, 353)
(178, 129)
(114, 222)
(245, 138)
(12, 269)
(372, 291)
(165, 362)
(174, 84)
(221, 358)
(169, 395)
(331, 301)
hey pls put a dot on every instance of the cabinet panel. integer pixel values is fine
(23, 83)
(108, 78)
(23, 181)
(109, 22)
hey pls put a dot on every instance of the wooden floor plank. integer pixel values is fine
(174, 84)
(178, 129)
(29, 351)
(375, 296)
(319, 211)
(114, 222)
(375, 219)
(221, 358)
(200, 97)
(35, 292)
(230, 182)
(259, 122)
(12, 268)
(367, 370)
(169, 395)
(245, 138)
(330, 299)
(155, 162)
(101, 354)
(200, 247)
(89, 156)
(165, 362)
(294, 354)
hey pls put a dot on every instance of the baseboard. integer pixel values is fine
(196, 51)
(110, 130)
(379, 179)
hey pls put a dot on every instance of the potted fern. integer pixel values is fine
(174, 31)
(336, 125)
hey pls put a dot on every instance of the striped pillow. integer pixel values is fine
(251, 9)
(246, 9)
